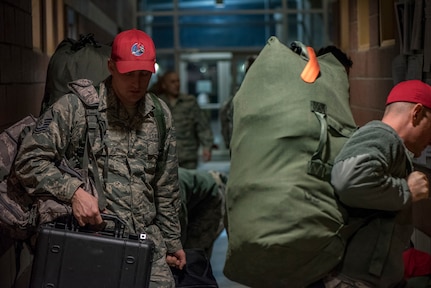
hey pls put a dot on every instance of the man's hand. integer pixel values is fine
(206, 155)
(85, 208)
(177, 259)
(418, 185)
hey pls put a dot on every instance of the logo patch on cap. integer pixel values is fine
(138, 49)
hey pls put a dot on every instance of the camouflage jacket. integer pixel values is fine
(148, 203)
(192, 127)
(226, 121)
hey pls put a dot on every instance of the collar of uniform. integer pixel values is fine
(102, 90)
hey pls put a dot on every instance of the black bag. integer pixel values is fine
(196, 273)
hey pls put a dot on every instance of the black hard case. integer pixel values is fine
(67, 257)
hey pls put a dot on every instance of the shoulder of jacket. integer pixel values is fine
(85, 90)
(187, 97)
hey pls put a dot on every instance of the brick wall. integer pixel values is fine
(22, 70)
(371, 74)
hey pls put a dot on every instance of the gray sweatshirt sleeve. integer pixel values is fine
(370, 171)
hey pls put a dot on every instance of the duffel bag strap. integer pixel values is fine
(316, 166)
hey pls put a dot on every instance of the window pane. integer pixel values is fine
(155, 5)
(225, 31)
(228, 4)
(307, 28)
(165, 62)
(160, 28)
(304, 4)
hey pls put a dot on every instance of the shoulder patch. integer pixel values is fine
(43, 123)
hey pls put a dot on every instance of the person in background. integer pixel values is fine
(373, 177)
(203, 207)
(193, 129)
(148, 200)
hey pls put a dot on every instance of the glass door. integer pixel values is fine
(208, 77)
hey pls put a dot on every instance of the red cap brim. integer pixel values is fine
(129, 66)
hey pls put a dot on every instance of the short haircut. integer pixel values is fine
(340, 55)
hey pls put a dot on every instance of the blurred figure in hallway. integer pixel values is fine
(192, 125)
(202, 207)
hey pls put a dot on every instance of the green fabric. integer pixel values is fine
(284, 222)
(160, 121)
(159, 115)
(73, 60)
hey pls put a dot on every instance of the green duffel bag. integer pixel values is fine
(72, 60)
(285, 225)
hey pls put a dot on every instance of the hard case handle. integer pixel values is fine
(116, 229)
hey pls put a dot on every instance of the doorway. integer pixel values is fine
(213, 77)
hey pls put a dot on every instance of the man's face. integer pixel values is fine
(171, 84)
(130, 87)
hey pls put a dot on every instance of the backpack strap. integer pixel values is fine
(318, 166)
(89, 96)
(159, 115)
(160, 120)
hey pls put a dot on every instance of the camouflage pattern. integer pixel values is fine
(15, 208)
(9, 139)
(192, 128)
(148, 203)
(226, 121)
(341, 281)
(21, 214)
(161, 275)
(202, 213)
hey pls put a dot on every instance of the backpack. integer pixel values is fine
(291, 117)
(21, 214)
(75, 59)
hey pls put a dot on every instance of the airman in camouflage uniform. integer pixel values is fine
(203, 207)
(148, 201)
(191, 123)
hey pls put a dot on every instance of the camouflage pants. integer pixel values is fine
(205, 221)
(205, 224)
(161, 275)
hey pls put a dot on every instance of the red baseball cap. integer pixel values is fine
(414, 91)
(133, 50)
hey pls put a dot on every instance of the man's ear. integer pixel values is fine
(111, 66)
(417, 113)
